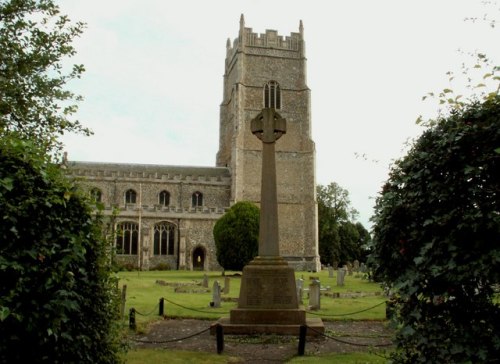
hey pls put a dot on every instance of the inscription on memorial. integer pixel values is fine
(269, 288)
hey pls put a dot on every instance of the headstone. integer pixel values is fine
(362, 268)
(227, 281)
(335, 265)
(355, 266)
(340, 276)
(349, 268)
(314, 295)
(205, 281)
(216, 294)
(300, 289)
(330, 272)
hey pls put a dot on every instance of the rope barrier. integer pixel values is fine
(346, 314)
(171, 340)
(150, 313)
(347, 342)
(193, 309)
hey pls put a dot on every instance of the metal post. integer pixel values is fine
(302, 339)
(161, 307)
(219, 332)
(131, 319)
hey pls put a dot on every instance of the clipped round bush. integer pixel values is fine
(56, 298)
(436, 240)
(236, 236)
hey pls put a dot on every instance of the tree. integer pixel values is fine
(339, 237)
(435, 243)
(35, 40)
(57, 298)
(236, 236)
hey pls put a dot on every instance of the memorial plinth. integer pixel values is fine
(268, 296)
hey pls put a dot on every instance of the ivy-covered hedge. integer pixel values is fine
(236, 235)
(56, 297)
(436, 240)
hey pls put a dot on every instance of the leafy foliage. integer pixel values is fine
(436, 239)
(236, 236)
(35, 40)
(340, 239)
(56, 296)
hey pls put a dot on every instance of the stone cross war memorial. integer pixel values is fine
(268, 301)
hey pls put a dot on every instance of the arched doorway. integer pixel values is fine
(199, 258)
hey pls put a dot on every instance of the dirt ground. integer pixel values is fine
(344, 336)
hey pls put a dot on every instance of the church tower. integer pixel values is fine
(269, 70)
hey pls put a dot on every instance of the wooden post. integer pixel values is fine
(123, 300)
(219, 332)
(302, 339)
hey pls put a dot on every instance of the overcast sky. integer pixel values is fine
(153, 80)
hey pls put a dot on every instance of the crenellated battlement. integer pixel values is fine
(270, 39)
(89, 170)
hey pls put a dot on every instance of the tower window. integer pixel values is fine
(130, 196)
(164, 239)
(197, 199)
(164, 198)
(272, 95)
(127, 238)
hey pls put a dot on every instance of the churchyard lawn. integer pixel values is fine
(190, 300)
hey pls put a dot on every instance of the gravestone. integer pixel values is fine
(204, 283)
(300, 289)
(227, 281)
(340, 276)
(362, 268)
(268, 301)
(355, 266)
(216, 294)
(349, 268)
(330, 272)
(335, 265)
(314, 295)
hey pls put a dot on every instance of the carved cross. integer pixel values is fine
(268, 126)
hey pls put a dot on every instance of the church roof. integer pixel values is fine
(150, 168)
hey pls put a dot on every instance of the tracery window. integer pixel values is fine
(164, 198)
(164, 234)
(95, 194)
(130, 196)
(197, 199)
(272, 95)
(127, 238)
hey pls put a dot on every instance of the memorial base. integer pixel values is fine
(268, 302)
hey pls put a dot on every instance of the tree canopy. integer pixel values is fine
(436, 239)
(35, 43)
(340, 238)
(56, 294)
(236, 235)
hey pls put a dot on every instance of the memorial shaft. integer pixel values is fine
(268, 126)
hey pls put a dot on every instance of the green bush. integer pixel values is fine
(236, 236)
(436, 240)
(57, 303)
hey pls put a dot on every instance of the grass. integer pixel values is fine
(143, 294)
(348, 358)
(161, 356)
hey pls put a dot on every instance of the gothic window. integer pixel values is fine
(127, 238)
(130, 196)
(272, 95)
(164, 198)
(164, 234)
(95, 194)
(197, 199)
